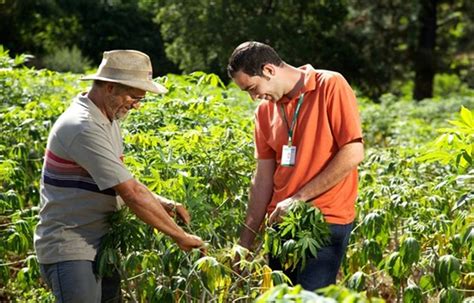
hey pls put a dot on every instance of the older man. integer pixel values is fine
(83, 175)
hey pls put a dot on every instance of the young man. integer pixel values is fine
(308, 143)
(83, 175)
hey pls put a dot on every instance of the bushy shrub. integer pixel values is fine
(67, 59)
(448, 85)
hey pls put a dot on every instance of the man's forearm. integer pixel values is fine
(260, 196)
(145, 205)
(347, 159)
(261, 192)
(254, 218)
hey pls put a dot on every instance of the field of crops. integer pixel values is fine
(413, 239)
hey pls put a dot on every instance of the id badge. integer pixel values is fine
(288, 155)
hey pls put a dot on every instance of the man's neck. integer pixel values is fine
(96, 97)
(296, 81)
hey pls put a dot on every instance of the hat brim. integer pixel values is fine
(148, 86)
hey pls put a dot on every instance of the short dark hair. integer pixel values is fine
(250, 57)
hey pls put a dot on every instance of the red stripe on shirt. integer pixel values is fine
(58, 159)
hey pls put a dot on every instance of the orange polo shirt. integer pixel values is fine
(328, 119)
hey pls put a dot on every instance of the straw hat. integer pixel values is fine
(128, 67)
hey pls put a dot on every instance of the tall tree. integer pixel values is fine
(41, 27)
(374, 44)
(119, 24)
(202, 36)
(34, 27)
(412, 41)
(425, 61)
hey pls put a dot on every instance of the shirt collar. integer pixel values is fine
(94, 111)
(310, 84)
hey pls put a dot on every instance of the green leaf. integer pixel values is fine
(447, 270)
(412, 294)
(410, 251)
(357, 281)
(313, 247)
(287, 229)
(467, 117)
(450, 295)
(427, 282)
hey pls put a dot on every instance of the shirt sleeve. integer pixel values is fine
(263, 150)
(93, 151)
(342, 111)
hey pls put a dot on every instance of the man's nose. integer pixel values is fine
(254, 96)
(136, 105)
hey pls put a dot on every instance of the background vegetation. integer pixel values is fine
(414, 234)
(376, 45)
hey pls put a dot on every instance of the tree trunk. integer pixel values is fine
(425, 61)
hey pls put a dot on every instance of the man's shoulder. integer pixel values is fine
(324, 75)
(77, 119)
(73, 120)
(264, 107)
(327, 79)
(321, 74)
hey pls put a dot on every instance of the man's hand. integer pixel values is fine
(241, 254)
(180, 210)
(174, 208)
(280, 211)
(182, 213)
(188, 242)
(236, 264)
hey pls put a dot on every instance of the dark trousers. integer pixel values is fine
(76, 281)
(322, 270)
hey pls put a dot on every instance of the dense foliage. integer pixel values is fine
(54, 31)
(376, 44)
(413, 236)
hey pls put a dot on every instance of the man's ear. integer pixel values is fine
(268, 70)
(109, 87)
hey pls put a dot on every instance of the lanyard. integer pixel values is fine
(295, 117)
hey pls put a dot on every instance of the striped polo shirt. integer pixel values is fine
(83, 161)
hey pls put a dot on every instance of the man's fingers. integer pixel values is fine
(203, 250)
(183, 213)
(273, 217)
(190, 242)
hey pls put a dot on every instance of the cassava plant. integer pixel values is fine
(300, 234)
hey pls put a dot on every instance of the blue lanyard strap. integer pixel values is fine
(295, 117)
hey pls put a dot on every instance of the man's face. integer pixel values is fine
(122, 100)
(260, 87)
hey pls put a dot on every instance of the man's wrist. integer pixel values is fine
(245, 244)
(166, 203)
(298, 197)
(248, 229)
(180, 235)
(247, 237)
